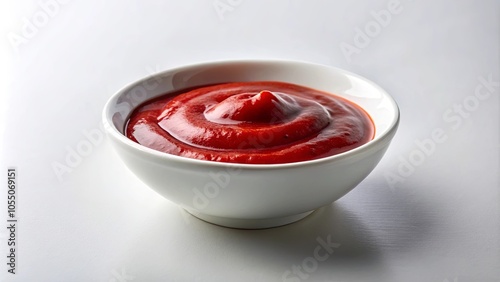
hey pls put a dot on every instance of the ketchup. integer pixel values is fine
(263, 122)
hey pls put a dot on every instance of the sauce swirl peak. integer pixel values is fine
(265, 107)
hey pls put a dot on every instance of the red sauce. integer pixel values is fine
(251, 122)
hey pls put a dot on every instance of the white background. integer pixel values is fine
(440, 221)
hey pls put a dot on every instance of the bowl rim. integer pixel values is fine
(114, 132)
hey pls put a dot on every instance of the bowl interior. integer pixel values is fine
(379, 105)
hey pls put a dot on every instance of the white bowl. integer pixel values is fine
(250, 195)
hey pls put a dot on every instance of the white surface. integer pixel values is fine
(442, 223)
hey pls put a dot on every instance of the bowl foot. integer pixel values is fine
(248, 223)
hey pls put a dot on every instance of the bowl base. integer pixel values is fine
(248, 223)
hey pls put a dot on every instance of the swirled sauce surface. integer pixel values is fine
(261, 122)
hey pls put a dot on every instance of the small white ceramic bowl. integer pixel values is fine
(250, 195)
